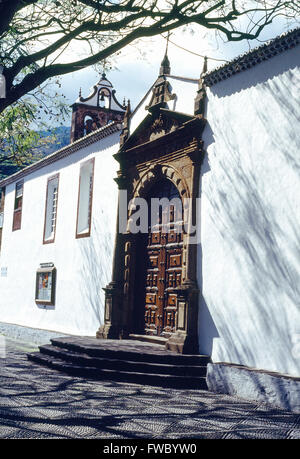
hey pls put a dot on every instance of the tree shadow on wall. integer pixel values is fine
(265, 252)
(95, 271)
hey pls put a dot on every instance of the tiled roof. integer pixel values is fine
(254, 57)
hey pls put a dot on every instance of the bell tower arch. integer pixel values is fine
(98, 109)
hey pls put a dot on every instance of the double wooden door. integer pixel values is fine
(163, 268)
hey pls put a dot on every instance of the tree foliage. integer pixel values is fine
(22, 122)
(20, 144)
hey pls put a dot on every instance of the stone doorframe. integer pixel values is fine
(176, 154)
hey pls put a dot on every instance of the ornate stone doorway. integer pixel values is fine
(154, 287)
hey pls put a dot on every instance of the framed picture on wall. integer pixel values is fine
(45, 284)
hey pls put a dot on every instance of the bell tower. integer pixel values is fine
(98, 109)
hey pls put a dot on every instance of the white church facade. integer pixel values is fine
(47, 229)
(228, 141)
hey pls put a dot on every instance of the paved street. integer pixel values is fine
(37, 402)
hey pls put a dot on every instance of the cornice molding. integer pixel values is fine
(94, 107)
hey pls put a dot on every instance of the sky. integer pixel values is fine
(137, 67)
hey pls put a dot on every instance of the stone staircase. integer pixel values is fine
(129, 361)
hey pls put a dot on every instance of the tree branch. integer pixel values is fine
(111, 25)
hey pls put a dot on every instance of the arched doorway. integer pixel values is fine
(159, 262)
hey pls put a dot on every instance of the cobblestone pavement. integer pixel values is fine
(38, 402)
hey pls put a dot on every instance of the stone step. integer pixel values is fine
(123, 360)
(149, 339)
(85, 360)
(162, 380)
(128, 350)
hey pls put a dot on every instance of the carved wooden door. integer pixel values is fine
(164, 267)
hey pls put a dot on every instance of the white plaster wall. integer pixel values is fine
(83, 265)
(186, 91)
(140, 112)
(249, 258)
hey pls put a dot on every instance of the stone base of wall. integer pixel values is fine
(278, 390)
(27, 334)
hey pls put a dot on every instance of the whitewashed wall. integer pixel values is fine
(250, 264)
(83, 265)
